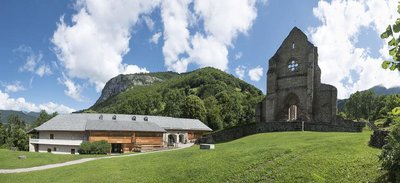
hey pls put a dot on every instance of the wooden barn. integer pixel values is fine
(64, 133)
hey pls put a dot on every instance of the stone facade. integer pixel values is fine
(294, 88)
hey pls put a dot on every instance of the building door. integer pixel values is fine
(72, 151)
(171, 140)
(181, 138)
(292, 113)
(116, 148)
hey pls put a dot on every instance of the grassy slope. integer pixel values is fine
(269, 157)
(9, 159)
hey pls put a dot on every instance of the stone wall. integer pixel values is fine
(254, 128)
(378, 138)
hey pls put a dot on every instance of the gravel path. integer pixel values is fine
(45, 167)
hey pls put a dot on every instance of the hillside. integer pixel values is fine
(222, 99)
(267, 157)
(123, 82)
(26, 117)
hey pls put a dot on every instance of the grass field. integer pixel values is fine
(9, 159)
(269, 157)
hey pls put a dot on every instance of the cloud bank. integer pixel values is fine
(344, 64)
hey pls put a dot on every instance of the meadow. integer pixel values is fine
(267, 157)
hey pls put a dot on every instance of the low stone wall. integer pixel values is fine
(378, 138)
(241, 131)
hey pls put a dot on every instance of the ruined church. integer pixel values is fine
(296, 99)
(294, 88)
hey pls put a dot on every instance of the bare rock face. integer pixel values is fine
(123, 82)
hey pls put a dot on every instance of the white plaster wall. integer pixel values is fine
(62, 135)
(60, 149)
(176, 134)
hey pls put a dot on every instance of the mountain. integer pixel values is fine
(27, 117)
(381, 90)
(226, 99)
(123, 82)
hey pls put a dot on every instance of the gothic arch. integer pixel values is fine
(291, 107)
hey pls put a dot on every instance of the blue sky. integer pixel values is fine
(57, 55)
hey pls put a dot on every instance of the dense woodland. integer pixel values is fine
(368, 106)
(13, 130)
(218, 99)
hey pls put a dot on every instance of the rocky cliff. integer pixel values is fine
(122, 82)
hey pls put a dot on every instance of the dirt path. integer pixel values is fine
(45, 167)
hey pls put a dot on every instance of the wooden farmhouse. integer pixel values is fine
(64, 133)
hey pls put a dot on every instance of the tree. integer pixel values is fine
(2, 134)
(15, 133)
(361, 105)
(232, 110)
(194, 108)
(43, 117)
(173, 102)
(213, 115)
(393, 43)
(390, 155)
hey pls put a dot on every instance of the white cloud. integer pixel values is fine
(175, 16)
(131, 69)
(343, 64)
(32, 60)
(238, 55)
(73, 90)
(256, 73)
(20, 104)
(223, 21)
(155, 38)
(14, 87)
(240, 71)
(43, 70)
(149, 22)
(92, 47)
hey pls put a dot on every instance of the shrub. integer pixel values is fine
(390, 155)
(97, 147)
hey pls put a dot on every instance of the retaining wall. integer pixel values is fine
(241, 131)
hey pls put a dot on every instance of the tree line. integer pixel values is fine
(13, 130)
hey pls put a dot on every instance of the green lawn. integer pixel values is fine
(9, 159)
(268, 157)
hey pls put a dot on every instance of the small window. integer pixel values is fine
(133, 118)
(114, 117)
(146, 118)
(54, 148)
(51, 136)
(293, 45)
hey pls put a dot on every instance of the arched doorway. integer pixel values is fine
(292, 113)
(181, 138)
(291, 108)
(171, 140)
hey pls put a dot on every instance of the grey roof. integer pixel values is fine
(64, 122)
(108, 125)
(86, 121)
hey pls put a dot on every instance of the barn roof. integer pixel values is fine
(120, 122)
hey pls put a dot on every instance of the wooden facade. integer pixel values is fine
(128, 140)
(194, 135)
